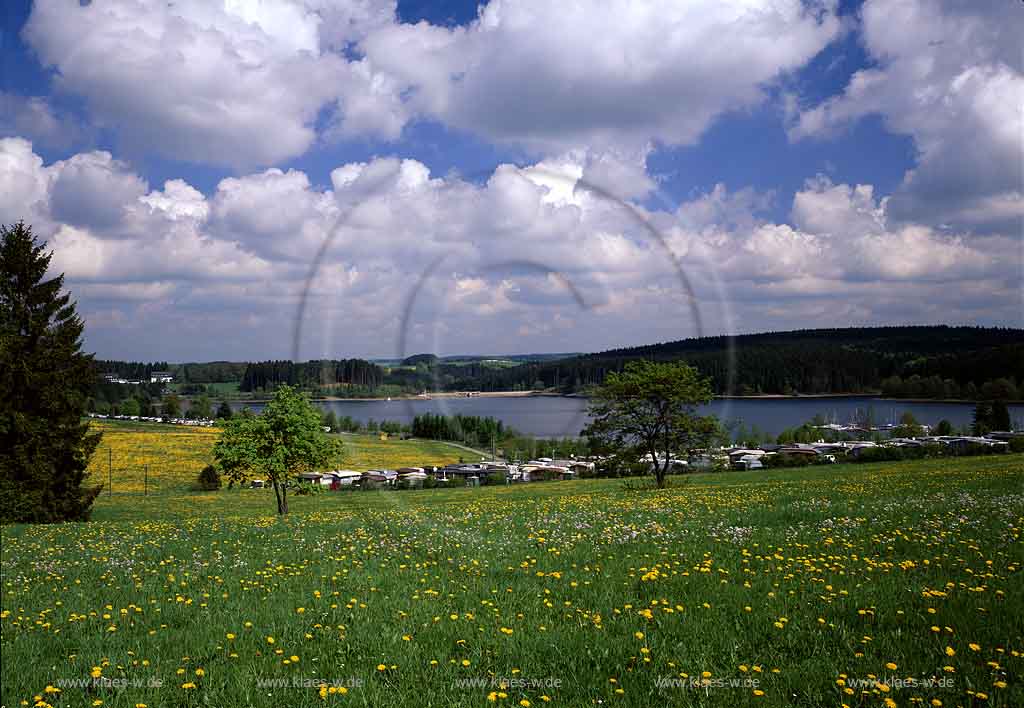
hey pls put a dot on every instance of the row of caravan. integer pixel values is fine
(471, 474)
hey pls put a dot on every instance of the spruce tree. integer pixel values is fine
(224, 411)
(45, 383)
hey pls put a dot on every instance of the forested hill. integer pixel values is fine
(925, 362)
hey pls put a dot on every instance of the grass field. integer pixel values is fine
(863, 585)
(216, 391)
(138, 457)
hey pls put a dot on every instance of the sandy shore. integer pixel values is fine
(790, 397)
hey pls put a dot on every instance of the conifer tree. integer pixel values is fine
(45, 383)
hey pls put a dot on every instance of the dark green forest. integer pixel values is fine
(921, 362)
(322, 373)
(210, 372)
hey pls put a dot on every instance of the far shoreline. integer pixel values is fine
(550, 394)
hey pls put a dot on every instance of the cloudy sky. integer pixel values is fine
(518, 176)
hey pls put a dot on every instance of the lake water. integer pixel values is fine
(553, 416)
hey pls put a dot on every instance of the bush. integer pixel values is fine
(886, 454)
(209, 479)
(979, 449)
(495, 477)
(1017, 444)
(432, 483)
(787, 460)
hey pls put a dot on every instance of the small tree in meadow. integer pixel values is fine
(650, 409)
(286, 440)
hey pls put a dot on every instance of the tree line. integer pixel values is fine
(463, 428)
(917, 386)
(268, 375)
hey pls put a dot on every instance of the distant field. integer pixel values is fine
(858, 585)
(365, 452)
(175, 455)
(221, 388)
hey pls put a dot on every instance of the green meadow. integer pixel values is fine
(139, 458)
(858, 585)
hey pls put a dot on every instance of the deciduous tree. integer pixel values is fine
(650, 409)
(284, 441)
(171, 407)
(201, 407)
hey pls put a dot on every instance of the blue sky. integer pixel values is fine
(785, 152)
(742, 148)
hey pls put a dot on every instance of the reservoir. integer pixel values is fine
(557, 416)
